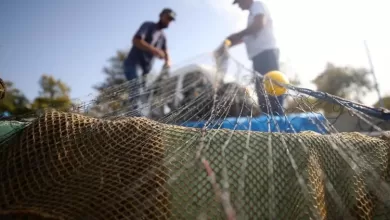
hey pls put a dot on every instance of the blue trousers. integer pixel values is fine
(132, 73)
(263, 63)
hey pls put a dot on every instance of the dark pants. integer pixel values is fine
(263, 63)
(133, 72)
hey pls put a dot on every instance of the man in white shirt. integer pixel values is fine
(261, 48)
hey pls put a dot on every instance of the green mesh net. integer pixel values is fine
(69, 166)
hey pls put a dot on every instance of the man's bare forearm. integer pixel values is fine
(167, 60)
(143, 45)
(166, 57)
(255, 27)
(234, 42)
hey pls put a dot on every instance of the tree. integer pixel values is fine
(2, 89)
(14, 102)
(112, 91)
(53, 94)
(386, 102)
(345, 82)
(114, 73)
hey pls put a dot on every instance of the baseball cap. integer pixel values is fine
(170, 12)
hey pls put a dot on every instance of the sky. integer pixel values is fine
(73, 39)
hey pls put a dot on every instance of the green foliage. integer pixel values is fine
(108, 100)
(345, 82)
(14, 101)
(386, 102)
(52, 88)
(114, 73)
(53, 94)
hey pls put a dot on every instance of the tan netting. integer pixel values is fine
(68, 166)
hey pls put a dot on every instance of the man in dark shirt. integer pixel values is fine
(148, 42)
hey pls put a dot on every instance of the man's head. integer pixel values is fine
(166, 16)
(243, 4)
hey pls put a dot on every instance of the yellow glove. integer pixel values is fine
(222, 49)
(227, 43)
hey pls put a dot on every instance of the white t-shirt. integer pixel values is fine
(264, 39)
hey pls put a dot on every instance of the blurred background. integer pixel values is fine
(66, 51)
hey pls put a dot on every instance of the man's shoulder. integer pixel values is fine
(148, 23)
(258, 3)
(257, 7)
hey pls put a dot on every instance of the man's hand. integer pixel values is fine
(221, 50)
(158, 53)
(235, 38)
(167, 64)
(143, 45)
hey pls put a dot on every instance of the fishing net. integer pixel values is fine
(203, 151)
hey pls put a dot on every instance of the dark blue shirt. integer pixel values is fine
(152, 34)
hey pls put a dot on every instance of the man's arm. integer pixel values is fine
(167, 59)
(234, 41)
(256, 26)
(138, 39)
(165, 49)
